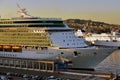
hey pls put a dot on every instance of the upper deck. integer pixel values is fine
(26, 20)
(32, 22)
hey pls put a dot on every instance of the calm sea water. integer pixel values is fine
(111, 63)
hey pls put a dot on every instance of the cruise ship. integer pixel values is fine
(29, 37)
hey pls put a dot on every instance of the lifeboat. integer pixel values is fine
(6, 47)
(1, 46)
(16, 47)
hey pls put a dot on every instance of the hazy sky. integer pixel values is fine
(98, 10)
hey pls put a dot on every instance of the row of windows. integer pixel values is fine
(11, 22)
(22, 31)
(26, 41)
(70, 40)
(10, 55)
(74, 44)
(28, 44)
(60, 25)
(1, 30)
(23, 38)
(23, 34)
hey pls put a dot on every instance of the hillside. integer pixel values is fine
(92, 26)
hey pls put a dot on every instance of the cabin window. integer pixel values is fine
(114, 40)
(107, 41)
(63, 40)
(67, 44)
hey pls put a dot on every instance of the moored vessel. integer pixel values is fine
(31, 37)
(103, 39)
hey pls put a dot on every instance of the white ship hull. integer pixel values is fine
(107, 43)
(89, 58)
(85, 58)
(31, 54)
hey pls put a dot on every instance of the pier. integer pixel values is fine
(40, 67)
(81, 75)
(27, 64)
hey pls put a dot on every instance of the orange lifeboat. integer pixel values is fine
(1, 46)
(16, 47)
(6, 47)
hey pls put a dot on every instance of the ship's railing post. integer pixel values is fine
(14, 64)
(32, 64)
(26, 64)
(46, 66)
(39, 66)
(20, 64)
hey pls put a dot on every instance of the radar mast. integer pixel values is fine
(23, 13)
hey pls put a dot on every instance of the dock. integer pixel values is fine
(48, 68)
(27, 64)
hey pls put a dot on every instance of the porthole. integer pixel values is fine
(63, 40)
(75, 53)
(68, 44)
(95, 53)
(62, 53)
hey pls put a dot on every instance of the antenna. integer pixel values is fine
(23, 13)
(23, 9)
(18, 6)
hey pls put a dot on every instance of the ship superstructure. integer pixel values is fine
(108, 40)
(31, 37)
(104, 39)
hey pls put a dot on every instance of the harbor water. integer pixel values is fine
(111, 64)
